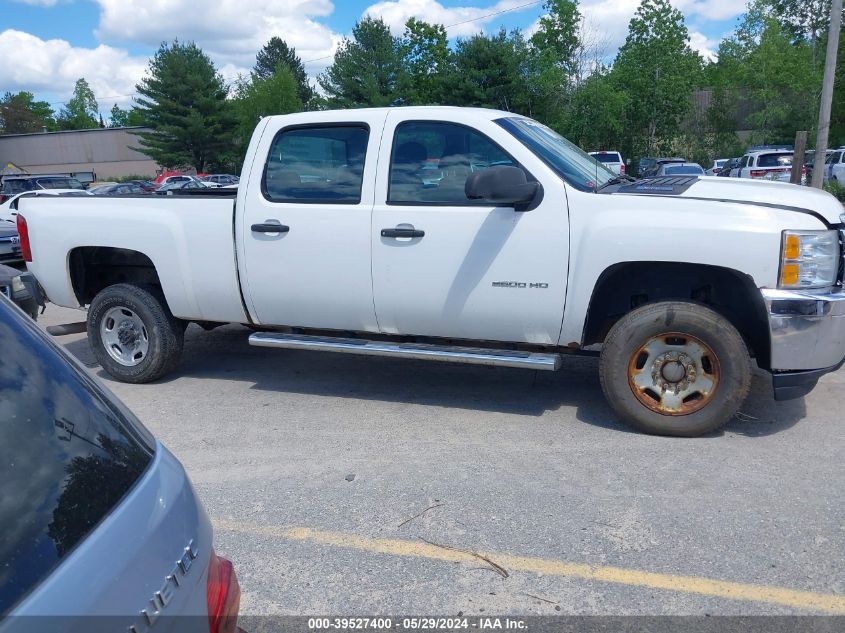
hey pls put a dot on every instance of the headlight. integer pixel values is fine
(809, 259)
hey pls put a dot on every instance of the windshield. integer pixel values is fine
(59, 183)
(571, 163)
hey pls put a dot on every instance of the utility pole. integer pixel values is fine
(827, 92)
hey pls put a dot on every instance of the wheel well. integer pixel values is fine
(626, 286)
(93, 268)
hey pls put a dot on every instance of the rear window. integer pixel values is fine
(17, 185)
(67, 457)
(774, 160)
(607, 157)
(675, 170)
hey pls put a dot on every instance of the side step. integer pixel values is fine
(471, 355)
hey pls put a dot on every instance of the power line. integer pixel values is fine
(449, 26)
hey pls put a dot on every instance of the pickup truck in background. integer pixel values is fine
(465, 235)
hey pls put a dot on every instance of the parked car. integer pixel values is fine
(22, 289)
(221, 179)
(10, 243)
(9, 208)
(730, 168)
(645, 165)
(835, 167)
(19, 184)
(766, 165)
(336, 229)
(680, 169)
(146, 185)
(658, 163)
(717, 167)
(167, 189)
(610, 159)
(121, 188)
(102, 529)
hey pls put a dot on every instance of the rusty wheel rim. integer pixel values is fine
(674, 374)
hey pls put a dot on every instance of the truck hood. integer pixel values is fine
(743, 190)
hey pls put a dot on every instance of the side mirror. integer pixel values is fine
(503, 185)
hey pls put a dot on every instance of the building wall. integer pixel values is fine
(107, 152)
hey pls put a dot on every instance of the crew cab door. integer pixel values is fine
(304, 226)
(447, 266)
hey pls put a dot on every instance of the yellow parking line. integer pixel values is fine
(783, 596)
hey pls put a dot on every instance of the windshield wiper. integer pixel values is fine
(616, 180)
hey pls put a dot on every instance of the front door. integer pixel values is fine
(305, 230)
(447, 266)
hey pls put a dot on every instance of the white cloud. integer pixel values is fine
(706, 46)
(53, 66)
(230, 31)
(464, 20)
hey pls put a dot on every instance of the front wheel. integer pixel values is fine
(133, 334)
(675, 368)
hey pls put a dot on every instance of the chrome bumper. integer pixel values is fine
(807, 329)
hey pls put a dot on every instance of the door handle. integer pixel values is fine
(269, 227)
(402, 233)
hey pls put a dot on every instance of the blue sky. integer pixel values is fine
(46, 45)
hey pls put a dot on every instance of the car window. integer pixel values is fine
(67, 456)
(431, 160)
(774, 160)
(674, 170)
(17, 185)
(59, 183)
(834, 158)
(569, 161)
(316, 164)
(607, 157)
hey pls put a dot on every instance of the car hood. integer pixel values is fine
(742, 190)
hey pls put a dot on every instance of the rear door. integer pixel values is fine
(304, 230)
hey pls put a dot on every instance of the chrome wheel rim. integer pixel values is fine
(124, 336)
(673, 373)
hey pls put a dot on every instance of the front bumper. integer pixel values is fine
(807, 331)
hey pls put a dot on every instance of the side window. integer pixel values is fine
(431, 161)
(317, 164)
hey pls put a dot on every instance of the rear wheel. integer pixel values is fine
(675, 368)
(133, 334)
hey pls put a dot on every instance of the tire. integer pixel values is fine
(675, 368)
(134, 336)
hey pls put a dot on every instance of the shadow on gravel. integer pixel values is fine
(224, 354)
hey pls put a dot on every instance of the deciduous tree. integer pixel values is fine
(21, 113)
(81, 111)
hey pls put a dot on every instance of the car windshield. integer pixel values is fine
(674, 170)
(67, 456)
(569, 161)
(774, 160)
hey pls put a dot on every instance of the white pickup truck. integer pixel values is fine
(465, 235)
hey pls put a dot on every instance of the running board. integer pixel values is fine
(471, 355)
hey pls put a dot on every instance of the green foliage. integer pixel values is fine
(489, 72)
(553, 61)
(367, 68)
(20, 113)
(133, 177)
(837, 189)
(118, 117)
(657, 71)
(595, 117)
(81, 112)
(260, 96)
(276, 52)
(183, 100)
(425, 56)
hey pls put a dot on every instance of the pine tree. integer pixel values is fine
(183, 100)
(276, 52)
